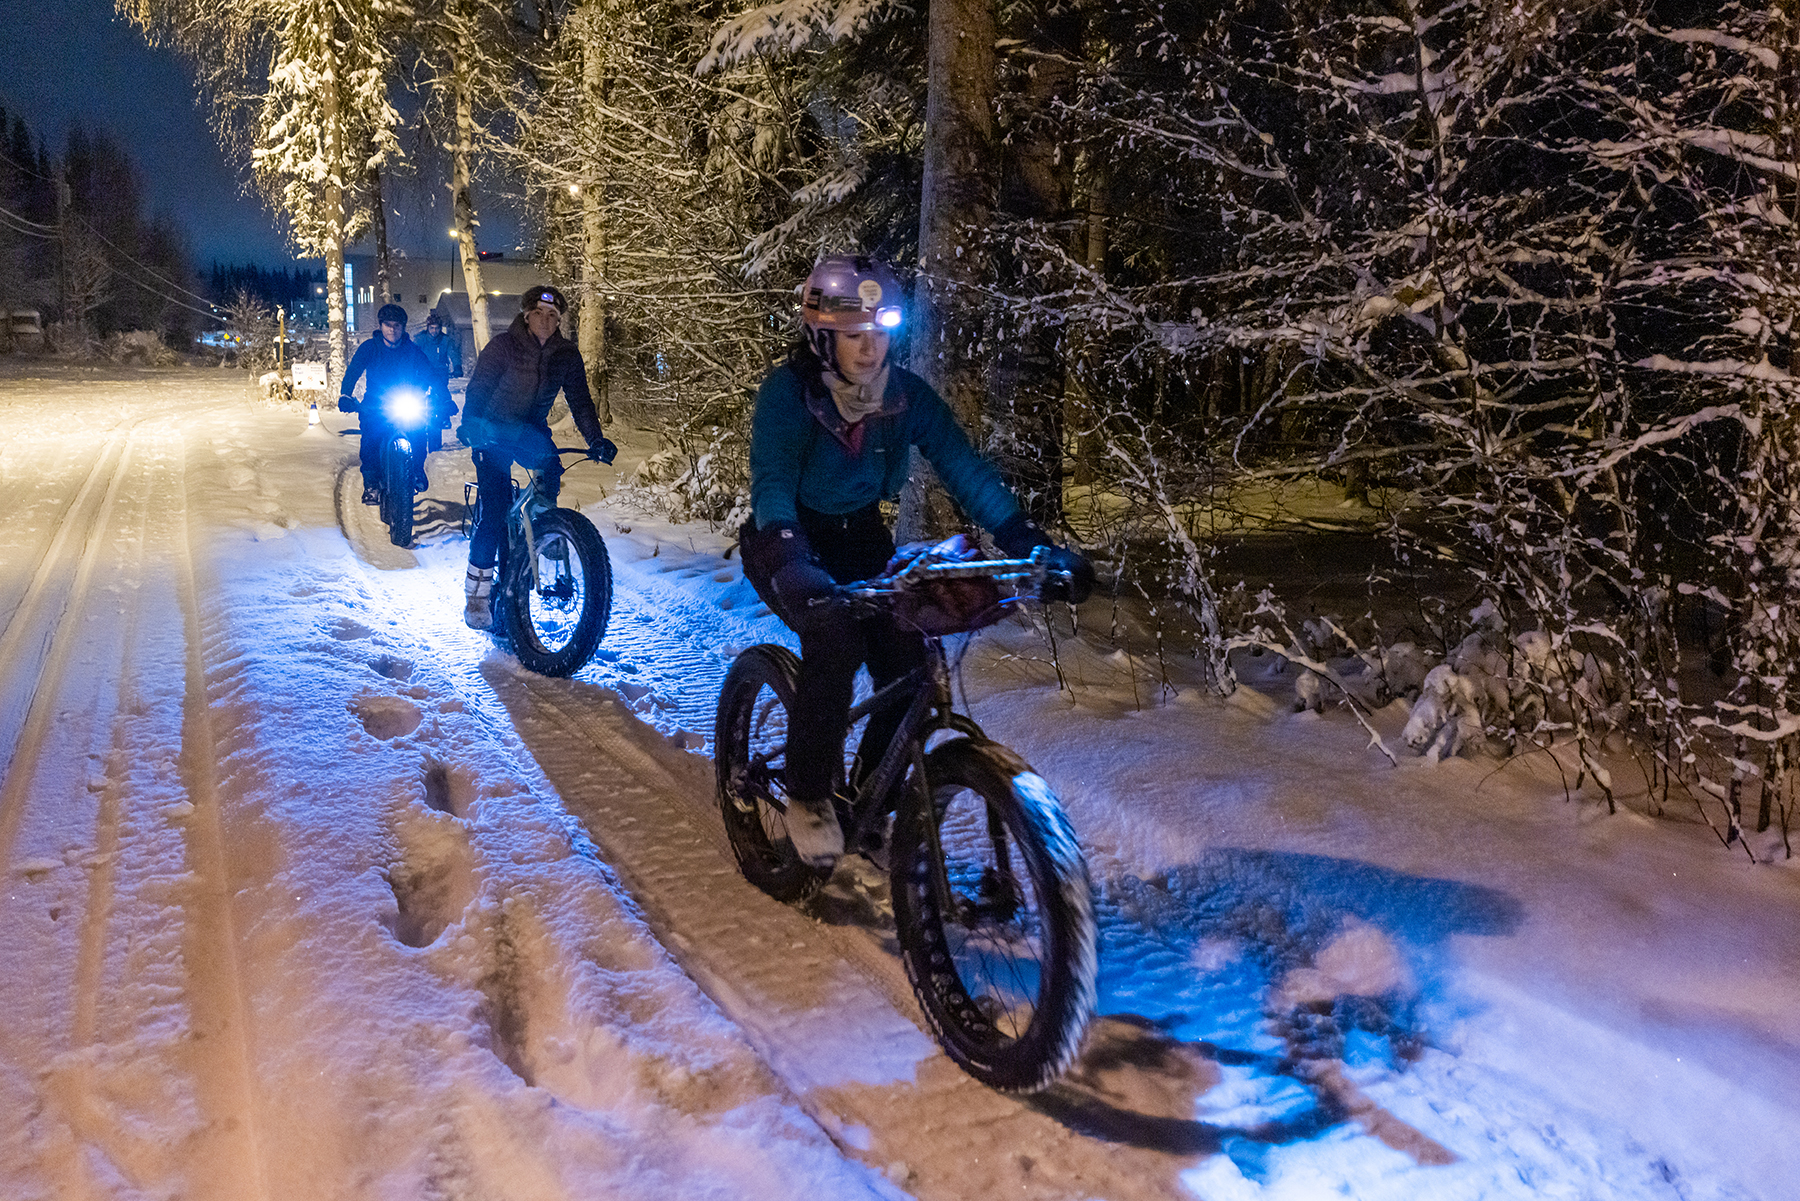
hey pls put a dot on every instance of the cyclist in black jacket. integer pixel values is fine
(390, 360)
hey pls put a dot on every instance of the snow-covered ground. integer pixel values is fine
(310, 892)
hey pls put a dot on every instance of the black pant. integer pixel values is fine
(493, 483)
(833, 644)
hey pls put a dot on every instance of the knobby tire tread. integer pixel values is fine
(596, 567)
(1037, 827)
(397, 494)
(770, 865)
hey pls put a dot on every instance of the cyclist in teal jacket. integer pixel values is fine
(831, 438)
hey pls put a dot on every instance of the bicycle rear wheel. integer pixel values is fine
(993, 913)
(555, 620)
(750, 756)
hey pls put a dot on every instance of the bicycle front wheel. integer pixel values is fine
(994, 916)
(556, 619)
(397, 493)
(750, 734)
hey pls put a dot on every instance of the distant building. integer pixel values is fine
(422, 286)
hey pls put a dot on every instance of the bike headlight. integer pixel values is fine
(406, 407)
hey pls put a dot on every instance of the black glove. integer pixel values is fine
(794, 571)
(801, 583)
(602, 451)
(1070, 577)
(1019, 535)
(348, 404)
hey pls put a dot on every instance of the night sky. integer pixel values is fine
(74, 60)
(63, 61)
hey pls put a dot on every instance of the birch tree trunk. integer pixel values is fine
(462, 151)
(337, 353)
(384, 267)
(957, 198)
(596, 83)
(592, 332)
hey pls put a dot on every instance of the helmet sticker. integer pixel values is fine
(870, 293)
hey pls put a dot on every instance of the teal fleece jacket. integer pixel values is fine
(802, 452)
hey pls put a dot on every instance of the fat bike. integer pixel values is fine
(992, 904)
(553, 585)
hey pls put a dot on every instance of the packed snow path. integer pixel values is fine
(320, 896)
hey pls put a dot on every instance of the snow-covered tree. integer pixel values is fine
(302, 86)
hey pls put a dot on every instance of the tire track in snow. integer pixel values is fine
(46, 642)
(119, 1094)
(209, 941)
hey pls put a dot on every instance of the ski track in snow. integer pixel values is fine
(324, 896)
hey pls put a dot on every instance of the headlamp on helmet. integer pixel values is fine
(851, 294)
(542, 294)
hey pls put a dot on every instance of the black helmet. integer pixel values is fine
(390, 312)
(542, 294)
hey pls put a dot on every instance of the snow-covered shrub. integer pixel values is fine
(71, 339)
(138, 346)
(709, 485)
(1451, 714)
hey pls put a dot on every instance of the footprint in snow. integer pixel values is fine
(391, 666)
(434, 879)
(345, 630)
(386, 717)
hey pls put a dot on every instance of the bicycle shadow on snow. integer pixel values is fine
(1243, 996)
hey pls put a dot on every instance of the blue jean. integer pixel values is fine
(502, 446)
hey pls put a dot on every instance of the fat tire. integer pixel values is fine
(1042, 847)
(397, 493)
(762, 679)
(596, 601)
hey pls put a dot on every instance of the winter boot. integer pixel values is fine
(478, 585)
(813, 828)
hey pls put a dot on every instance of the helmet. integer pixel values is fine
(850, 292)
(390, 312)
(542, 294)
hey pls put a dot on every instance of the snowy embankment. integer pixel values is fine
(323, 897)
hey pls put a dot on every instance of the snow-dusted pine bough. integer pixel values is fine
(1520, 282)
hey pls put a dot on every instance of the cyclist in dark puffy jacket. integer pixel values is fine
(506, 415)
(831, 437)
(389, 360)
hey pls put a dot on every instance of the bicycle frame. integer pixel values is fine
(518, 524)
(525, 499)
(932, 706)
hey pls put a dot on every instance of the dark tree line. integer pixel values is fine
(277, 287)
(77, 245)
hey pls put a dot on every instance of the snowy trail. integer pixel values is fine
(299, 924)
(322, 896)
(99, 676)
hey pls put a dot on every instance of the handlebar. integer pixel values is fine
(1032, 569)
(583, 452)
